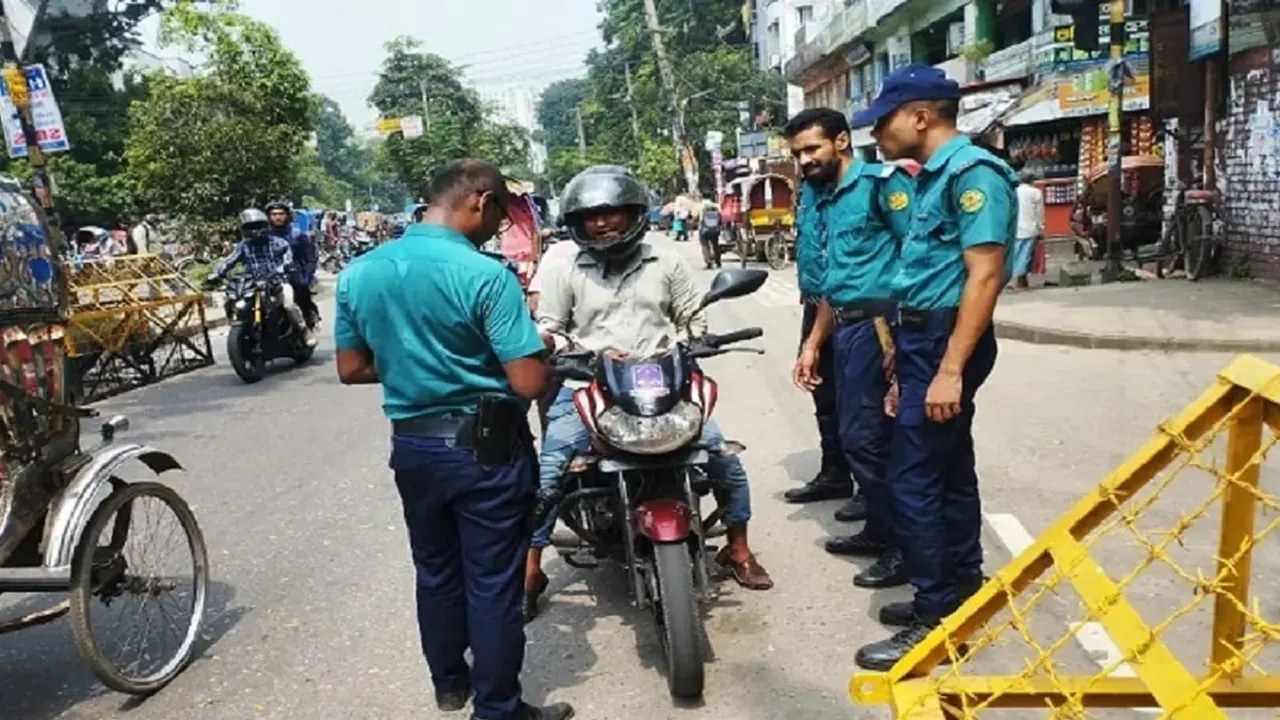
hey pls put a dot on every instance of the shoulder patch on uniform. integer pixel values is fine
(972, 200)
(898, 201)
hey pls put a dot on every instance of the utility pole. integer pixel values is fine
(582, 134)
(635, 121)
(1115, 131)
(426, 115)
(684, 153)
(1212, 67)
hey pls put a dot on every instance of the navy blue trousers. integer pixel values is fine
(824, 399)
(932, 470)
(468, 531)
(864, 428)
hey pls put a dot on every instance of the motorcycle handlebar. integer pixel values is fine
(718, 341)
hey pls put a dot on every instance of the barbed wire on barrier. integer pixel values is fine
(1245, 402)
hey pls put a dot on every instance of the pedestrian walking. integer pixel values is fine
(951, 271)
(456, 381)
(863, 210)
(1030, 228)
(833, 481)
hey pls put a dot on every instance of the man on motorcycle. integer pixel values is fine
(303, 271)
(263, 253)
(605, 209)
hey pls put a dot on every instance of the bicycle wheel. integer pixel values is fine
(112, 574)
(1197, 240)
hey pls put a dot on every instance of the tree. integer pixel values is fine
(234, 135)
(339, 154)
(557, 112)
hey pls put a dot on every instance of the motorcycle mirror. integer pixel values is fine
(733, 283)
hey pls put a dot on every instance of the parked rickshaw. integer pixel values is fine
(1141, 214)
(520, 239)
(68, 515)
(767, 230)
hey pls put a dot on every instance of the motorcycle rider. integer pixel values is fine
(303, 271)
(605, 209)
(264, 253)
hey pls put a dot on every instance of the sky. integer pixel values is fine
(502, 42)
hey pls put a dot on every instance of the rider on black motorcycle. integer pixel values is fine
(263, 253)
(303, 271)
(626, 297)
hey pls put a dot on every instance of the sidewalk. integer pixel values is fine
(1210, 315)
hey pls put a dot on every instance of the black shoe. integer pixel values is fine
(902, 614)
(856, 545)
(826, 486)
(889, 571)
(454, 700)
(531, 597)
(853, 511)
(554, 711)
(882, 656)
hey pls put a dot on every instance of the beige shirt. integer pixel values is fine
(640, 309)
(559, 253)
(1030, 211)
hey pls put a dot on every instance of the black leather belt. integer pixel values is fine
(921, 319)
(859, 311)
(432, 426)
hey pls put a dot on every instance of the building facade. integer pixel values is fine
(778, 28)
(518, 105)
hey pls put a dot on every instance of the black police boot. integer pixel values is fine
(902, 614)
(853, 511)
(888, 571)
(827, 485)
(554, 711)
(453, 700)
(883, 655)
(860, 545)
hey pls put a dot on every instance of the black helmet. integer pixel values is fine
(280, 205)
(253, 223)
(605, 187)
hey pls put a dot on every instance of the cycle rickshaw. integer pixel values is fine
(67, 513)
(765, 231)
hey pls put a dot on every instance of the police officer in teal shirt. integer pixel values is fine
(863, 210)
(950, 272)
(833, 480)
(446, 332)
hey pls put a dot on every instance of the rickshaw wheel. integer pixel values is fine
(776, 251)
(101, 577)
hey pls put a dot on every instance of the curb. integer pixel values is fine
(1093, 341)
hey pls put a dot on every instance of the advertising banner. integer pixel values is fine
(47, 118)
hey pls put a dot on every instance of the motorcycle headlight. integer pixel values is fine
(651, 435)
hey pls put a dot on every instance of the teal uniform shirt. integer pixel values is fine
(864, 217)
(440, 318)
(965, 197)
(811, 258)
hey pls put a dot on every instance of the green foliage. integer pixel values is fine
(456, 123)
(235, 135)
(714, 72)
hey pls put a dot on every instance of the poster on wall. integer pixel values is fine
(1205, 20)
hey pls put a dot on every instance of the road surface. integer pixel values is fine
(311, 613)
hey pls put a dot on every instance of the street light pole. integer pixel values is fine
(1118, 70)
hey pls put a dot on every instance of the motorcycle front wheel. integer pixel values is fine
(681, 623)
(245, 358)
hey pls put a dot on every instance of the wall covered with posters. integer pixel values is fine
(1250, 179)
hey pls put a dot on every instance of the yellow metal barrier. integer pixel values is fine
(1201, 604)
(134, 320)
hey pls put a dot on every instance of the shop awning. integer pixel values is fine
(1080, 93)
(980, 110)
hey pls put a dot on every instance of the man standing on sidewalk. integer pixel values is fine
(951, 270)
(865, 209)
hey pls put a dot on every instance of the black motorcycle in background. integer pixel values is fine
(261, 329)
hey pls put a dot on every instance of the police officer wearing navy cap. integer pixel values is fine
(446, 332)
(863, 210)
(951, 270)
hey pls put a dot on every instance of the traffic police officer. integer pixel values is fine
(446, 332)
(863, 212)
(951, 270)
(833, 480)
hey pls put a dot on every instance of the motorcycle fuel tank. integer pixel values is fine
(645, 387)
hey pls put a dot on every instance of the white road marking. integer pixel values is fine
(1090, 635)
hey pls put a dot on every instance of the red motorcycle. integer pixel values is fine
(634, 497)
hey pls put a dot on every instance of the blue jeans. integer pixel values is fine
(566, 437)
(468, 534)
(932, 471)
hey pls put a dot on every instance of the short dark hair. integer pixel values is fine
(832, 122)
(467, 176)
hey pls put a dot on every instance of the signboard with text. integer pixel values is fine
(1205, 20)
(51, 133)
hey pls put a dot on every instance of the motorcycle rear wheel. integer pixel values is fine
(681, 622)
(250, 366)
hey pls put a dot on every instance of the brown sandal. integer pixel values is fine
(749, 573)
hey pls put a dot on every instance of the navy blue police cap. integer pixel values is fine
(908, 83)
